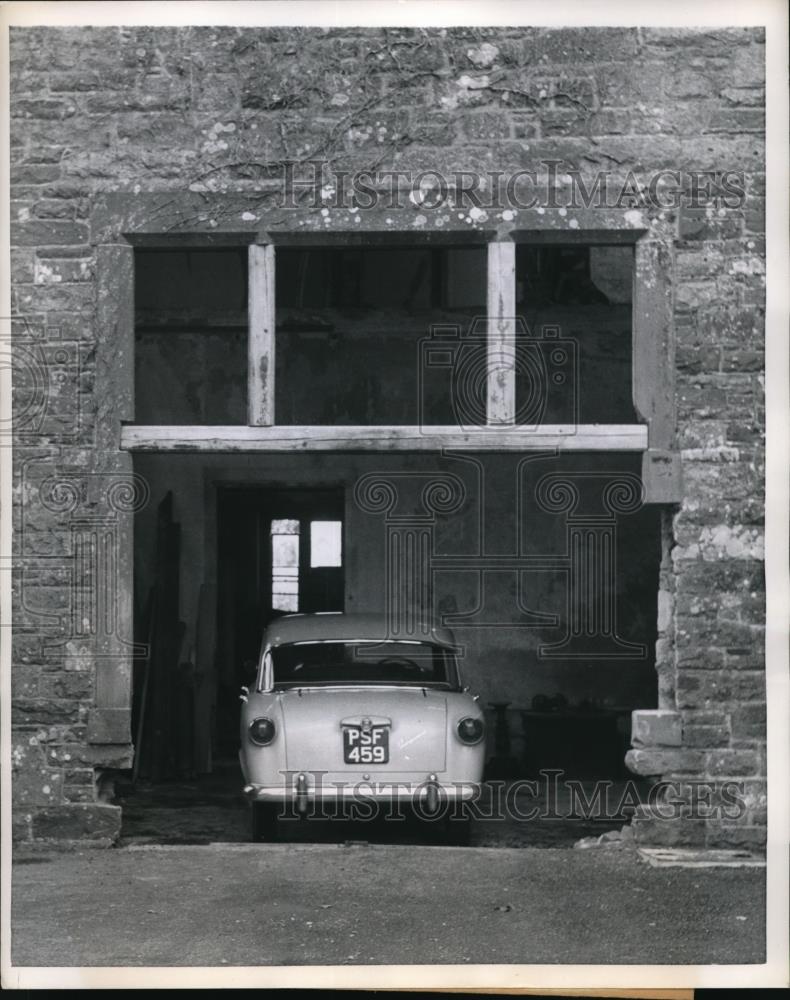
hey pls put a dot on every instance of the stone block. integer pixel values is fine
(55, 208)
(655, 831)
(694, 630)
(43, 712)
(20, 827)
(741, 577)
(703, 736)
(731, 763)
(49, 232)
(735, 360)
(659, 761)
(79, 793)
(734, 120)
(80, 776)
(694, 358)
(33, 173)
(50, 269)
(695, 657)
(94, 821)
(21, 265)
(78, 686)
(25, 681)
(110, 726)
(662, 476)
(42, 108)
(117, 757)
(749, 685)
(719, 835)
(568, 45)
(486, 125)
(748, 721)
(698, 224)
(700, 690)
(655, 728)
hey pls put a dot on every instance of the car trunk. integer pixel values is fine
(314, 720)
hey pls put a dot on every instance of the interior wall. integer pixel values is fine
(501, 659)
(191, 336)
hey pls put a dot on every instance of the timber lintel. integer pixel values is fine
(287, 438)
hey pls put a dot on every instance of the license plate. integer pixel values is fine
(370, 747)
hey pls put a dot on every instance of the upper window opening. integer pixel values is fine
(349, 326)
(191, 336)
(574, 351)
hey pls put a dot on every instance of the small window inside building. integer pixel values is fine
(574, 345)
(191, 336)
(349, 327)
(285, 565)
(325, 543)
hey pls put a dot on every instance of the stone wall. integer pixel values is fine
(96, 111)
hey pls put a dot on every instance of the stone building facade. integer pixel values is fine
(132, 137)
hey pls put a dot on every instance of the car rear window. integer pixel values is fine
(376, 662)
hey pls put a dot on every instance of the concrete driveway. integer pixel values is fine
(305, 904)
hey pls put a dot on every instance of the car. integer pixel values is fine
(342, 712)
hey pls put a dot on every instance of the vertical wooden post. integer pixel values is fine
(260, 342)
(115, 341)
(105, 542)
(501, 326)
(653, 360)
(653, 372)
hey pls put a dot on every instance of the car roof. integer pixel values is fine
(341, 626)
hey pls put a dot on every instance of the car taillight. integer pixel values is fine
(470, 730)
(262, 731)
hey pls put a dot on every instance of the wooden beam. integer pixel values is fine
(115, 341)
(260, 343)
(237, 438)
(501, 403)
(109, 568)
(653, 372)
(378, 237)
(653, 349)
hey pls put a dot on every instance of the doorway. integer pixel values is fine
(279, 551)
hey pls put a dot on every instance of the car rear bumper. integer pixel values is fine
(428, 790)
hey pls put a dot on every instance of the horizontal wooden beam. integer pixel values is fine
(378, 238)
(237, 438)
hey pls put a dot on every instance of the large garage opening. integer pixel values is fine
(228, 543)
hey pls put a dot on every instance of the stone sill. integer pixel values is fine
(662, 857)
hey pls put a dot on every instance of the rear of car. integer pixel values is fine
(341, 713)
